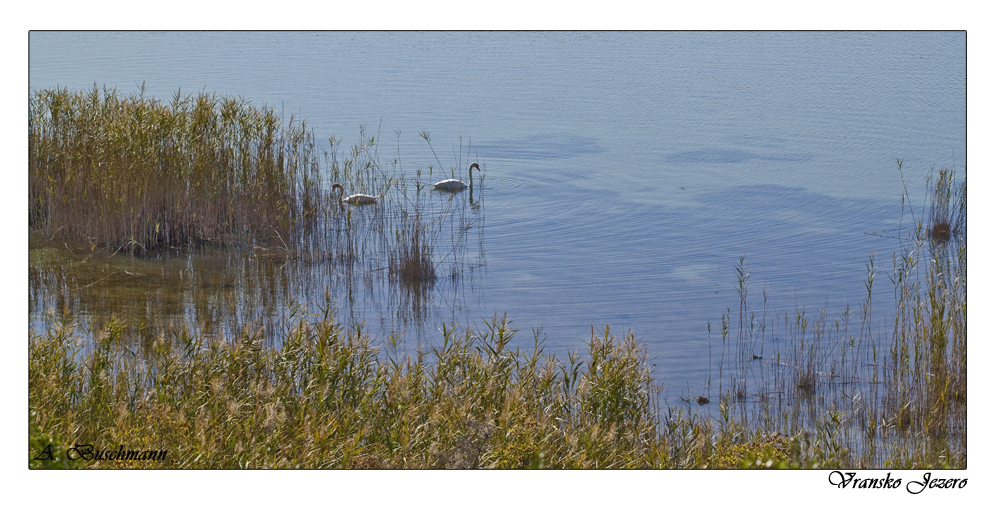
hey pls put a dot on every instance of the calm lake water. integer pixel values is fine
(624, 173)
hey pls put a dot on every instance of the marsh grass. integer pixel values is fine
(411, 262)
(135, 174)
(853, 393)
(330, 398)
(412, 233)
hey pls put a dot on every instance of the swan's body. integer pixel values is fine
(451, 185)
(358, 199)
(454, 185)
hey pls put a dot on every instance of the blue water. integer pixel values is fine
(625, 173)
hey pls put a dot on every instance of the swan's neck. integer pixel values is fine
(470, 173)
(337, 186)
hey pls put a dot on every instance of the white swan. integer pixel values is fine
(359, 199)
(454, 185)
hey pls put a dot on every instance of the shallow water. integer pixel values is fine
(624, 174)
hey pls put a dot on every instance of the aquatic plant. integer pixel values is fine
(327, 399)
(868, 398)
(134, 174)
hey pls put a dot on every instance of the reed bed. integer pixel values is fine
(132, 174)
(330, 399)
(135, 174)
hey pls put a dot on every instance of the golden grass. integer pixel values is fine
(134, 174)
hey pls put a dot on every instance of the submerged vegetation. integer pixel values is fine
(130, 175)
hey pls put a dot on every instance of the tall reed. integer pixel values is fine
(852, 393)
(133, 174)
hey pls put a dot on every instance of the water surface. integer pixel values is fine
(625, 173)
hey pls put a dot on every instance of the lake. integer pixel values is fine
(624, 173)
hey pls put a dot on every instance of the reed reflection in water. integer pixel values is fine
(397, 262)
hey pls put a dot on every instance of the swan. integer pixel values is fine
(454, 185)
(356, 199)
